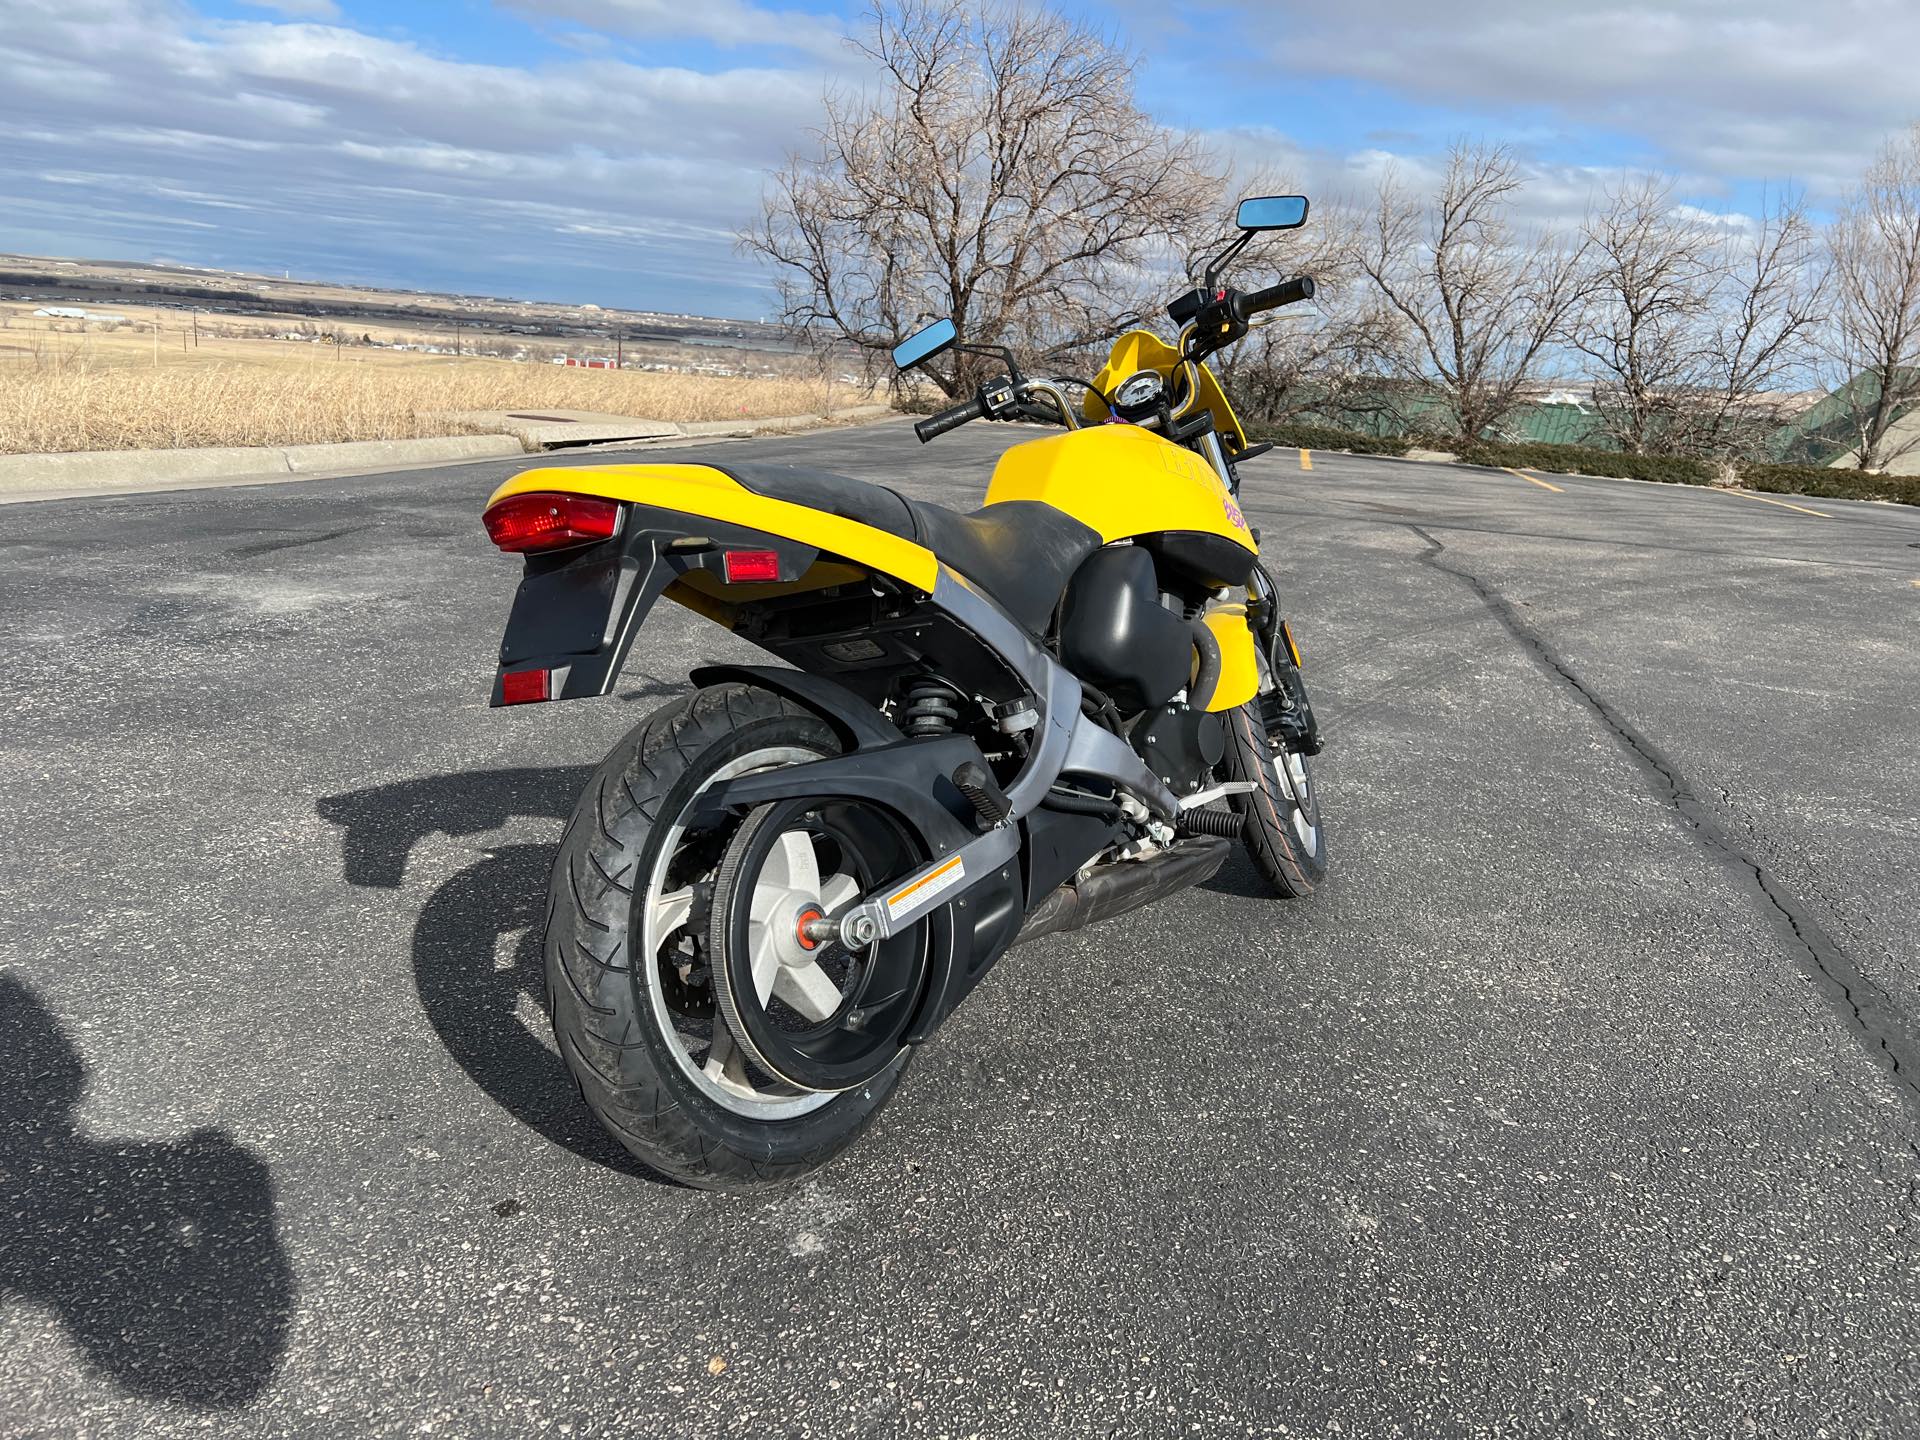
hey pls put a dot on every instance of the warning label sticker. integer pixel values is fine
(926, 887)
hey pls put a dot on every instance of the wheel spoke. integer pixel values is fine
(808, 989)
(670, 912)
(764, 957)
(726, 1063)
(791, 865)
(837, 891)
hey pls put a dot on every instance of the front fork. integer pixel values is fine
(1285, 710)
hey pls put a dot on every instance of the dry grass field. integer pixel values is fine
(145, 385)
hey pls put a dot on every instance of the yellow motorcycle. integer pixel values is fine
(988, 727)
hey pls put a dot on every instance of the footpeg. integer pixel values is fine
(1221, 824)
(990, 804)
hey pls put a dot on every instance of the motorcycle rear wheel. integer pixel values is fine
(632, 1014)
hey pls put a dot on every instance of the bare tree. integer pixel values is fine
(1874, 341)
(1325, 359)
(1481, 301)
(1002, 175)
(1690, 327)
(1769, 305)
(1642, 320)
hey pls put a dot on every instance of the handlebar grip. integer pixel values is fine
(953, 418)
(1287, 292)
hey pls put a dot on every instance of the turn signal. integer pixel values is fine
(549, 520)
(749, 565)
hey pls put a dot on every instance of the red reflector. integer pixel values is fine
(752, 565)
(548, 520)
(518, 687)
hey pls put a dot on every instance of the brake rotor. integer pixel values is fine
(813, 1013)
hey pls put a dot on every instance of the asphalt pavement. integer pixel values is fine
(1582, 1099)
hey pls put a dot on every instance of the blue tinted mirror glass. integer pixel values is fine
(1273, 212)
(927, 344)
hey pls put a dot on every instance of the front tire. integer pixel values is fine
(624, 979)
(1280, 816)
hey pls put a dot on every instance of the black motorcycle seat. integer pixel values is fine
(1020, 552)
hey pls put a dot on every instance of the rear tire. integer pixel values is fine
(1282, 830)
(605, 1015)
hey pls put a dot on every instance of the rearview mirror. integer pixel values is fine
(1272, 212)
(925, 345)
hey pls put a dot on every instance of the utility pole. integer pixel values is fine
(619, 349)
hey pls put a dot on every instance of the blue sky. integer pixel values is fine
(608, 149)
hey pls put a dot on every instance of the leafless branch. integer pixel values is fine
(1003, 175)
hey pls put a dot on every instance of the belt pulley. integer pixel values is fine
(808, 1009)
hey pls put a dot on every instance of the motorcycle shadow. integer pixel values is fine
(477, 961)
(1238, 877)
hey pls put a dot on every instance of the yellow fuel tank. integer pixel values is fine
(1121, 481)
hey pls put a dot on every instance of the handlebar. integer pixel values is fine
(1287, 292)
(951, 418)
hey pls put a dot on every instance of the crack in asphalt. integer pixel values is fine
(269, 547)
(1865, 1008)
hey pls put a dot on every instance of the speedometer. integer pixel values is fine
(1138, 393)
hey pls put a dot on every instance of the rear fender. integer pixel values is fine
(705, 497)
(577, 611)
(857, 723)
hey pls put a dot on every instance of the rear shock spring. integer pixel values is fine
(929, 707)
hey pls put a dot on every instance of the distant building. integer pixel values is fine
(73, 312)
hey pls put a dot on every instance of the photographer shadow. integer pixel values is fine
(160, 1258)
(486, 1002)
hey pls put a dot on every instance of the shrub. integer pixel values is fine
(1819, 481)
(1811, 480)
(1572, 460)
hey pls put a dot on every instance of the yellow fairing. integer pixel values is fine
(1239, 660)
(1139, 350)
(701, 490)
(1120, 481)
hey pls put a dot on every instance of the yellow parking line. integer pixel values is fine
(1531, 481)
(1745, 495)
(1306, 459)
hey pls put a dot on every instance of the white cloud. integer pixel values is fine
(1775, 89)
(724, 22)
(323, 146)
(298, 9)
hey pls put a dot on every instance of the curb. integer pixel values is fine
(86, 472)
(1443, 458)
(701, 429)
(124, 472)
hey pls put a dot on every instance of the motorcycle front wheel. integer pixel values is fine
(1280, 816)
(628, 984)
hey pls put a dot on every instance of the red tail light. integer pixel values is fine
(549, 520)
(748, 565)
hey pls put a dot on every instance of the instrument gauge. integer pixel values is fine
(1138, 394)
